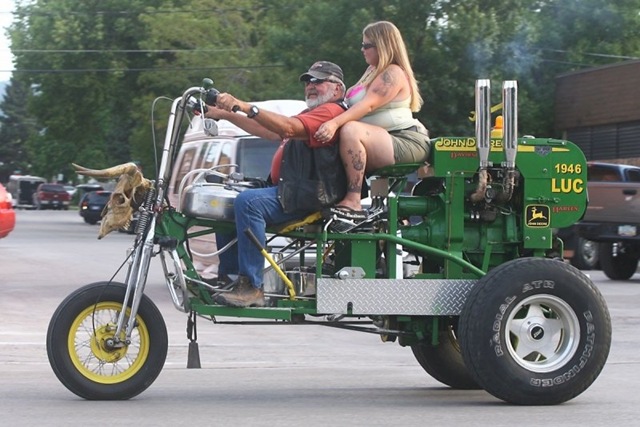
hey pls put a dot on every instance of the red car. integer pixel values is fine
(51, 196)
(7, 214)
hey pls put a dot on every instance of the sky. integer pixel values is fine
(6, 7)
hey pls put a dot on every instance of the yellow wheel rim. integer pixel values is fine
(89, 352)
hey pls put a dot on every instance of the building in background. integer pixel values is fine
(599, 110)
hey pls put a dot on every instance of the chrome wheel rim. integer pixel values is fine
(543, 333)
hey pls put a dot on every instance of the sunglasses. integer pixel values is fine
(366, 46)
(315, 81)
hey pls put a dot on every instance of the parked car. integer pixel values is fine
(22, 189)
(7, 214)
(71, 190)
(92, 204)
(613, 205)
(51, 196)
(85, 188)
(611, 220)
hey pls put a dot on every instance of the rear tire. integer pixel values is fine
(535, 331)
(79, 351)
(444, 361)
(620, 267)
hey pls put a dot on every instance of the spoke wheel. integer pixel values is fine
(87, 356)
(91, 346)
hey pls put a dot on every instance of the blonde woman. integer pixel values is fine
(378, 129)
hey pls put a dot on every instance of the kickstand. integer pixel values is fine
(193, 356)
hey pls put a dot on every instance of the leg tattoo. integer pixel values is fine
(354, 184)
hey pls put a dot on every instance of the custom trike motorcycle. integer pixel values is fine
(489, 305)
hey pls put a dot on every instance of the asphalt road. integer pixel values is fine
(259, 375)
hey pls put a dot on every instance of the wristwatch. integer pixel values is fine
(253, 111)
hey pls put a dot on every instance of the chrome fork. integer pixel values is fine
(136, 280)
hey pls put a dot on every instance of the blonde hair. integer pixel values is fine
(391, 50)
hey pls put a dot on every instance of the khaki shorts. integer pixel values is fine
(410, 146)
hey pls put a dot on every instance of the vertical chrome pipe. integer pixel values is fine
(483, 120)
(510, 113)
(483, 135)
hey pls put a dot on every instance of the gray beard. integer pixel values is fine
(319, 100)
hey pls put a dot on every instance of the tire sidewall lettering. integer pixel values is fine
(565, 373)
(537, 285)
(494, 322)
(496, 341)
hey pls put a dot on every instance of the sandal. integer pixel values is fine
(344, 212)
(340, 225)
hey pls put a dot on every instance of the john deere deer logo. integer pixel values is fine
(537, 216)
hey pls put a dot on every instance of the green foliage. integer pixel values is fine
(219, 41)
(90, 71)
(15, 130)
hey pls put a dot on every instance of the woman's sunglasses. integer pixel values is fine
(366, 46)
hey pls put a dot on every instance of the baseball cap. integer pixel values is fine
(323, 70)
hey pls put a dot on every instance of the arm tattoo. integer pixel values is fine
(387, 83)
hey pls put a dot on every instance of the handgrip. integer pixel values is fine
(211, 97)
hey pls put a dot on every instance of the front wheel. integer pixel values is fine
(535, 331)
(79, 349)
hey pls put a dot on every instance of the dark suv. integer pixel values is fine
(51, 196)
(92, 204)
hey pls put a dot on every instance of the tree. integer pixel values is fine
(221, 42)
(103, 62)
(15, 129)
(82, 100)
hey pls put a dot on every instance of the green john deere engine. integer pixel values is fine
(490, 200)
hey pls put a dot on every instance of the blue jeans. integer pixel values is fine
(254, 210)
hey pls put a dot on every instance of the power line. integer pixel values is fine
(126, 70)
(121, 50)
(601, 55)
(136, 12)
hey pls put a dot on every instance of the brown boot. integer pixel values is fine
(244, 294)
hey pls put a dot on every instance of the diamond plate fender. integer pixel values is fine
(416, 297)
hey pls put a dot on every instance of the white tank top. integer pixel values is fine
(395, 115)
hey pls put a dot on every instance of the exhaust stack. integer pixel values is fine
(483, 135)
(510, 126)
(510, 134)
(483, 120)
